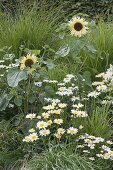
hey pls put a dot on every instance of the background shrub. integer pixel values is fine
(95, 9)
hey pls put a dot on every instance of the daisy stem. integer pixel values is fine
(27, 91)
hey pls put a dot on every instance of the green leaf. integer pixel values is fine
(32, 99)
(4, 101)
(63, 51)
(91, 48)
(15, 76)
(50, 64)
(9, 56)
(18, 100)
(36, 52)
(76, 47)
(87, 77)
(49, 90)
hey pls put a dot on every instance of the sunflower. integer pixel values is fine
(78, 26)
(28, 61)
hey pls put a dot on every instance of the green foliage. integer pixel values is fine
(63, 157)
(15, 76)
(11, 147)
(89, 54)
(32, 28)
(98, 123)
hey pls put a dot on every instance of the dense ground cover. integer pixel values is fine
(56, 109)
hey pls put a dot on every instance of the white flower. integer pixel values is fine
(42, 124)
(44, 132)
(100, 75)
(52, 100)
(106, 148)
(109, 142)
(50, 81)
(79, 105)
(33, 137)
(58, 121)
(80, 127)
(2, 66)
(2, 61)
(79, 113)
(72, 131)
(96, 83)
(93, 94)
(86, 151)
(70, 76)
(45, 115)
(38, 84)
(73, 99)
(102, 88)
(31, 116)
(62, 105)
(92, 158)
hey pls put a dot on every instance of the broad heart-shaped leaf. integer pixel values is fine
(15, 76)
(4, 101)
(63, 51)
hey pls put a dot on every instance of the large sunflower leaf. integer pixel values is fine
(63, 51)
(15, 76)
(4, 101)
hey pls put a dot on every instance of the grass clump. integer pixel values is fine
(32, 27)
(63, 157)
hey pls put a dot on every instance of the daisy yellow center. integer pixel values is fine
(29, 62)
(78, 26)
(72, 131)
(33, 137)
(44, 132)
(42, 125)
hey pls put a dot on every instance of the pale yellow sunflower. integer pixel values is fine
(78, 26)
(28, 61)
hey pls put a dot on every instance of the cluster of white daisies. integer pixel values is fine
(65, 106)
(96, 146)
(59, 114)
(103, 86)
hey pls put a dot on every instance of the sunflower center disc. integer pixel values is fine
(78, 26)
(28, 63)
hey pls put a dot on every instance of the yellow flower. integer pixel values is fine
(49, 122)
(26, 139)
(28, 61)
(61, 130)
(31, 130)
(62, 105)
(78, 26)
(45, 115)
(38, 117)
(57, 135)
(58, 121)
(30, 116)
